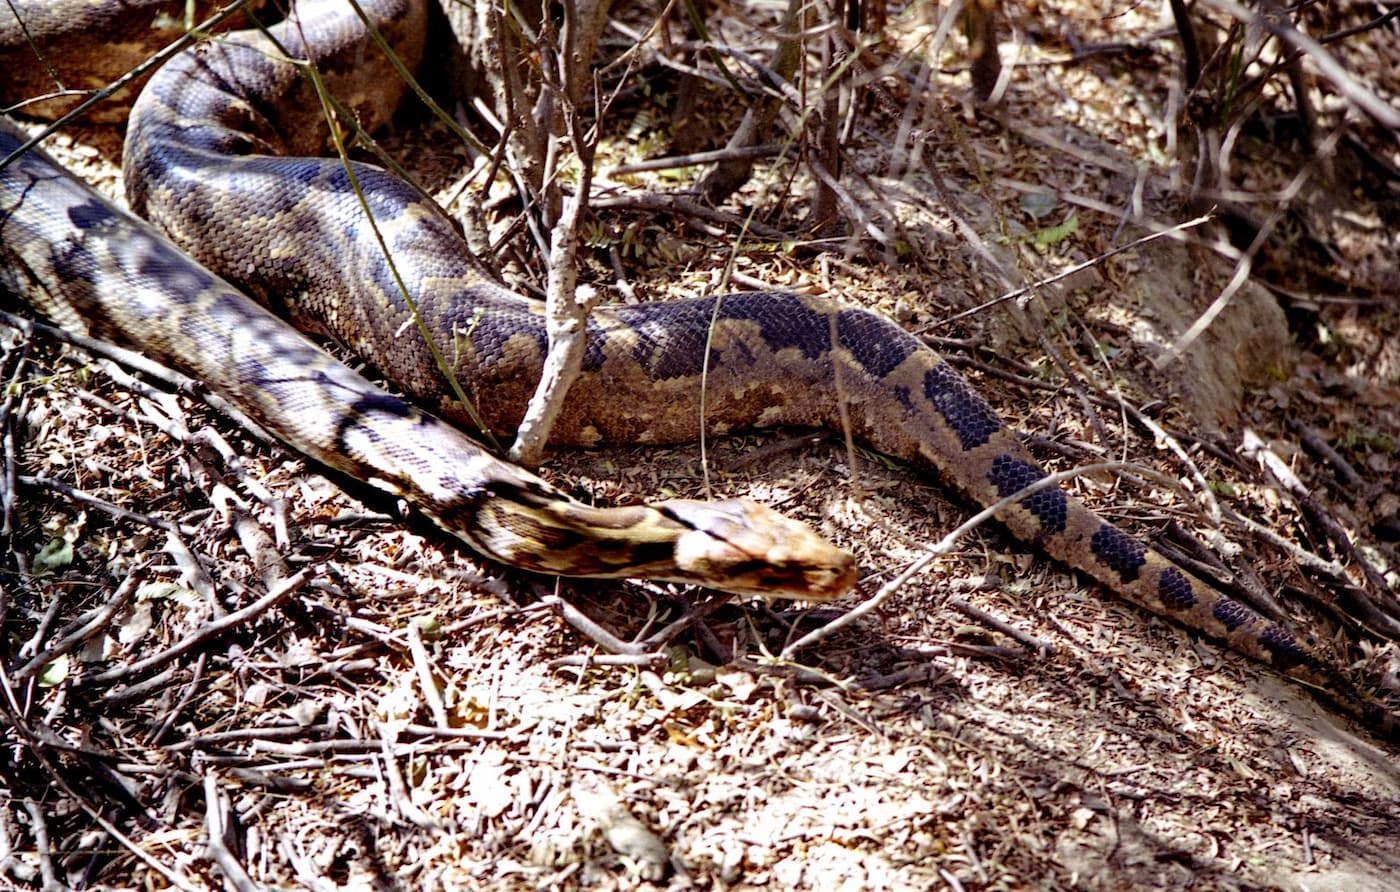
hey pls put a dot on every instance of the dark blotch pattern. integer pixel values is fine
(304, 172)
(1232, 613)
(877, 344)
(964, 411)
(1175, 590)
(383, 405)
(1285, 649)
(646, 552)
(163, 268)
(1121, 552)
(74, 262)
(1010, 475)
(671, 339)
(594, 355)
(489, 341)
(90, 214)
(783, 320)
(389, 196)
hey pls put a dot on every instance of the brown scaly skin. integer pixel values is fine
(200, 163)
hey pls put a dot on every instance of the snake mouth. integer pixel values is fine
(746, 548)
(765, 579)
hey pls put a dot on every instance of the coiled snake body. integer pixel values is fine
(216, 157)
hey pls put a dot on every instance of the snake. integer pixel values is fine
(242, 243)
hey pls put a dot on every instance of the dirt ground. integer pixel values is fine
(273, 678)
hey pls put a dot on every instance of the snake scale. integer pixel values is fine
(220, 157)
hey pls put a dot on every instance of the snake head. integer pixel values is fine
(743, 547)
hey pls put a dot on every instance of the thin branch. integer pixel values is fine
(205, 633)
(115, 511)
(943, 547)
(1329, 67)
(566, 306)
(83, 628)
(1030, 642)
(694, 159)
(218, 825)
(1065, 274)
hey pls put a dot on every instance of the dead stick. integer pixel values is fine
(210, 630)
(1029, 641)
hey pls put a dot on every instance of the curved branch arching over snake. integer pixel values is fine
(219, 156)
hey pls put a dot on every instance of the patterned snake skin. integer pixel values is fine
(217, 157)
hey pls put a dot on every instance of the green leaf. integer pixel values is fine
(55, 556)
(155, 591)
(1053, 235)
(54, 673)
